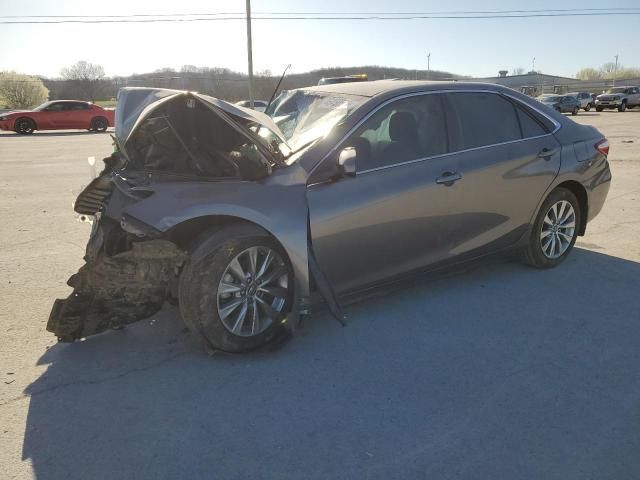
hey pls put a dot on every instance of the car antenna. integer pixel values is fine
(277, 87)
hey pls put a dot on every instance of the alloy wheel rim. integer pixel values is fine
(253, 291)
(558, 229)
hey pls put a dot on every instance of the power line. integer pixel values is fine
(297, 17)
(386, 13)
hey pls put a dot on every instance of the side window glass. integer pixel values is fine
(79, 106)
(530, 126)
(55, 107)
(407, 129)
(481, 119)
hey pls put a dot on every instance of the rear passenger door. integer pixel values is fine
(79, 115)
(506, 159)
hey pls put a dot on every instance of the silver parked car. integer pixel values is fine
(247, 220)
(585, 99)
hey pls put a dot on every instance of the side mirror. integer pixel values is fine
(347, 162)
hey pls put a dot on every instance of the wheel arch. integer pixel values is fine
(581, 194)
(186, 233)
(26, 117)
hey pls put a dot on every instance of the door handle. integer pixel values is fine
(448, 178)
(547, 153)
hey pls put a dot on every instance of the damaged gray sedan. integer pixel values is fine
(245, 219)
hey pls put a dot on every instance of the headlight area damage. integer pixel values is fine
(187, 168)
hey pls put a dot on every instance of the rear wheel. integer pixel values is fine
(25, 126)
(99, 124)
(555, 229)
(236, 289)
(623, 106)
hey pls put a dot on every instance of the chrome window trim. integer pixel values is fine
(430, 92)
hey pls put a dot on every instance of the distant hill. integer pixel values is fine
(229, 85)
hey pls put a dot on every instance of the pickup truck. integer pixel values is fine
(619, 97)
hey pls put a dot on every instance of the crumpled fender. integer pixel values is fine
(279, 209)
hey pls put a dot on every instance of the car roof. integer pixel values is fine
(378, 87)
(68, 101)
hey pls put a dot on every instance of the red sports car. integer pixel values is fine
(58, 115)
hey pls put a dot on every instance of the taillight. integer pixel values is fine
(603, 147)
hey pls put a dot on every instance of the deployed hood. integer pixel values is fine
(135, 104)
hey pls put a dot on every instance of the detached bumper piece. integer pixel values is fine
(110, 292)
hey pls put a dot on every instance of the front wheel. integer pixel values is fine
(622, 107)
(599, 109)
(575, 110)
(555, 230)
(25, 126)
(236, 289)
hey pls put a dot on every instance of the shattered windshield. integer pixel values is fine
(304, 116)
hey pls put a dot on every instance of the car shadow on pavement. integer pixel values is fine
(502, 371)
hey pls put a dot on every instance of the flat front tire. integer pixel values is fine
(236, 289)
(555, 229)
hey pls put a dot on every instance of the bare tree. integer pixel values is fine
(87, 78)
(609, 69)
(21, 91)
(518, 71)
(589, 74)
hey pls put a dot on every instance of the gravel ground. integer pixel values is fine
(498, 372)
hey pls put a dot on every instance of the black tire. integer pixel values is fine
(534, 254)
(199, 280)
(599, 109)
(24, 126)
(588, 107)
(99, 124)
(575, 110)
(623, 106)
(558, 109)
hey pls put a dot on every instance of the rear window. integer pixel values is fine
(480, 119)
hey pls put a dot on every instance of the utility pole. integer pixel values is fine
(429, 66)
(249, 54)
(533, 64)
(615, 71)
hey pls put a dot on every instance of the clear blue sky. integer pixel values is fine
(470, 47)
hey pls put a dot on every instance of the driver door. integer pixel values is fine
(388, 218)
(53, 117)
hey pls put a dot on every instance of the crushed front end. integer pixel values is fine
(126, 277)
(162, 138)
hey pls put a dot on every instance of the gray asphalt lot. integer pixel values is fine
(500, 371)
